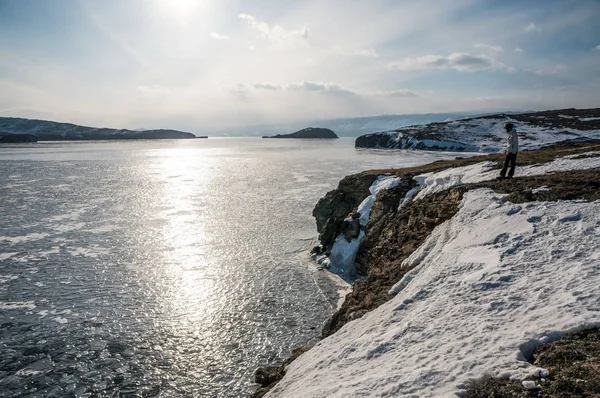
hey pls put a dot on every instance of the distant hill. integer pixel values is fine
(348, 127)
(46, 130)
(309, 132)
(486, 133)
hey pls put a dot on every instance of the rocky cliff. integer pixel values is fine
(46, 130)
(486, 133)
(309, 132)
(394, 232)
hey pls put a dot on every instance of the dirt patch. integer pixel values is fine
(573, 363)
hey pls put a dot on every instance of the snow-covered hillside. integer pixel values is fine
(54, 131)
(485, 288)
(486, 133)
(344, 127)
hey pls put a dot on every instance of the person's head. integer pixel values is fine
(508, 126)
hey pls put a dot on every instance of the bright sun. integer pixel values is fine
(182, 11)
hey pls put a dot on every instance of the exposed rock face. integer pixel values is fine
(14, 138)
(486, 133)
(268, 376)
(391, 237)
(53, 131)
(332, 209)
(405, 141)
(309, 132)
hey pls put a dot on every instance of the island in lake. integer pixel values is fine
(309, 132)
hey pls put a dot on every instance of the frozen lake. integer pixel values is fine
(171, 268)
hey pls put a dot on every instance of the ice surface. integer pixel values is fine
(489, 285)
(15, 305)
(343, 253)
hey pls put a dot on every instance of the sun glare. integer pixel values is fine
(182, 11)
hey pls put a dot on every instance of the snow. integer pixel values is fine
(382, 183)
(588, 119)
(343, 253)
(543, 188)
(530, 385)
(436, 182)
(485, 135)
(488, 286)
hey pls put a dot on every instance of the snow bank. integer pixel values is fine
(436, 182)
(489, 285)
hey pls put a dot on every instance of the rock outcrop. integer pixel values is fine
(309, 132)
(486, 133)
(46, 130)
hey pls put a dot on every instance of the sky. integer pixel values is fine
(212, 64)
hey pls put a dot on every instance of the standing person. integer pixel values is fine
(512, 147)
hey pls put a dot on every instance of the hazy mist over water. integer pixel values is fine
(163, 267)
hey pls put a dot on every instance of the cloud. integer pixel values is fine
(463, 62)
(318, 87)
(551, 71)
(489, 47)
(400, 93)
(531, 27)
(267, 86)
(240, 91)
(597, 48)
(153, 89)
(518, 50)
(276, 33)
(217, 36)
(364, 52)
(306, 86)
(332, 88)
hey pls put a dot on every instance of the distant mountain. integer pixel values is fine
(309, 132)
(486, 133)
(46, 130)
(348, 127)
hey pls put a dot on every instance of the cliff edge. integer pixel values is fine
(461, 278)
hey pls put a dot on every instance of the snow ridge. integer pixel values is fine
(486, 134)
